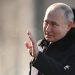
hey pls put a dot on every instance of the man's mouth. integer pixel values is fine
(49, 36)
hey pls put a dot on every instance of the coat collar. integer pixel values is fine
(64, 43)
(67, 41)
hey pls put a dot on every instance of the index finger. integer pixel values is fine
(30, 37)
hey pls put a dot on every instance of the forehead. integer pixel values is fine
(56, 16)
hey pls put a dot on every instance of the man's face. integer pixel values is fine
(54, 27)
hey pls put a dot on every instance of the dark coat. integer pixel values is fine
(57, 58)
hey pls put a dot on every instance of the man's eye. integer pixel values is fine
(54, 24)
(45, 23)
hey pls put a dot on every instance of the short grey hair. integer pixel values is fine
(66, 9)
(68, 13)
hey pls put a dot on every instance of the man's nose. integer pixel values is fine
(48, 28)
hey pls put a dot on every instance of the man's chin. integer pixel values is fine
(48, 39)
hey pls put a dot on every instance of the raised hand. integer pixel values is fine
(32, 46)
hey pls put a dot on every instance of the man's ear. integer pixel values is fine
(70, 25)
(74, 24)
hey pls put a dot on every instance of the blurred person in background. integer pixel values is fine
(55, 53)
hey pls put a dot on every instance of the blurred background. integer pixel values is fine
(16, 17)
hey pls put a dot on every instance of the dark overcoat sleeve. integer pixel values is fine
(48, 66)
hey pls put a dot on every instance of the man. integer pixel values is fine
(55, 54)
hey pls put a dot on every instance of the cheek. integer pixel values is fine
(57, 32)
